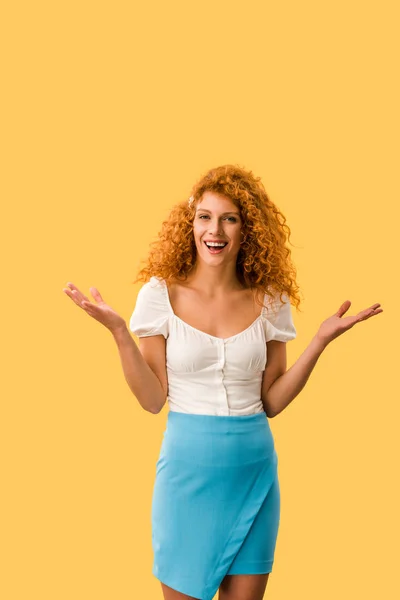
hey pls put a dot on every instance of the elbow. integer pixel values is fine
(268, 409)
(157, 409)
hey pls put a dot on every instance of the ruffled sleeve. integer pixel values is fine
(278, 320)
(151, 314)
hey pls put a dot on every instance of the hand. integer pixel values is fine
(335, 325)
(100, 311)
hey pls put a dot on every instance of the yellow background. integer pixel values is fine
(110, 112)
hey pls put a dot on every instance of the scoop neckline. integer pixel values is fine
(231, 337)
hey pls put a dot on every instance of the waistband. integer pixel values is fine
(225, 423)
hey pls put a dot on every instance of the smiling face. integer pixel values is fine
(217, 219)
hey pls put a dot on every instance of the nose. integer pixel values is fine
(215, 227)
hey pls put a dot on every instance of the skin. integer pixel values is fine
(215, 276)
(217, 218)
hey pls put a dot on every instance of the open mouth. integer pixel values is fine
(215, 249)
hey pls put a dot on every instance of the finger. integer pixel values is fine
(68, 293)
(343, 308)
(88, 306)
(79, 298)
(374, 312)
(72, 294)
(78, 294)
(373, 306)
(369, 312)
(362, 315)
(72, 286)
(96, 294)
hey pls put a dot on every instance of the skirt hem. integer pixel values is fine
(178, 587)
(252, 568)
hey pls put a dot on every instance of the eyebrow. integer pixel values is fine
(230, 212)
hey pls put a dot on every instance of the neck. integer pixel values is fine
(214, 281)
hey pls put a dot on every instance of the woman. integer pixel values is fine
(215, 304)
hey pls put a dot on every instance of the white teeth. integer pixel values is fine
(216, 244)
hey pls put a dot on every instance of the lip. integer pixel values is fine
(217, 249)
(216, 241)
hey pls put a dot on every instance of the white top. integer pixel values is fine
(207, 374)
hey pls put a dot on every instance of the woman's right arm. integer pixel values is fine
(149, 388)
(145, 369)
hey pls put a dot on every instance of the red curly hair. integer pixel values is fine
(263, 263)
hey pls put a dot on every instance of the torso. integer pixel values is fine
(221, 318)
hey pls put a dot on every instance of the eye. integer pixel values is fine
(234, 218)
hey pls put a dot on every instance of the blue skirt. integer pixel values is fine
(216, 501)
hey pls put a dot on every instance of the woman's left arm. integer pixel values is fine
(287, 386)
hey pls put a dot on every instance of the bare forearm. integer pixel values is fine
(142, 381)
(289, 385)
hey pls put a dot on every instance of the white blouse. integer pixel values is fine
(207, 374)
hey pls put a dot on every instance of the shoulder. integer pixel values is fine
(278, 318)
(152, 296)
(156, 282)
(151, 312)
(153, 288)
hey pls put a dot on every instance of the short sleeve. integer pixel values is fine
(278, 321)
(151, 315)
